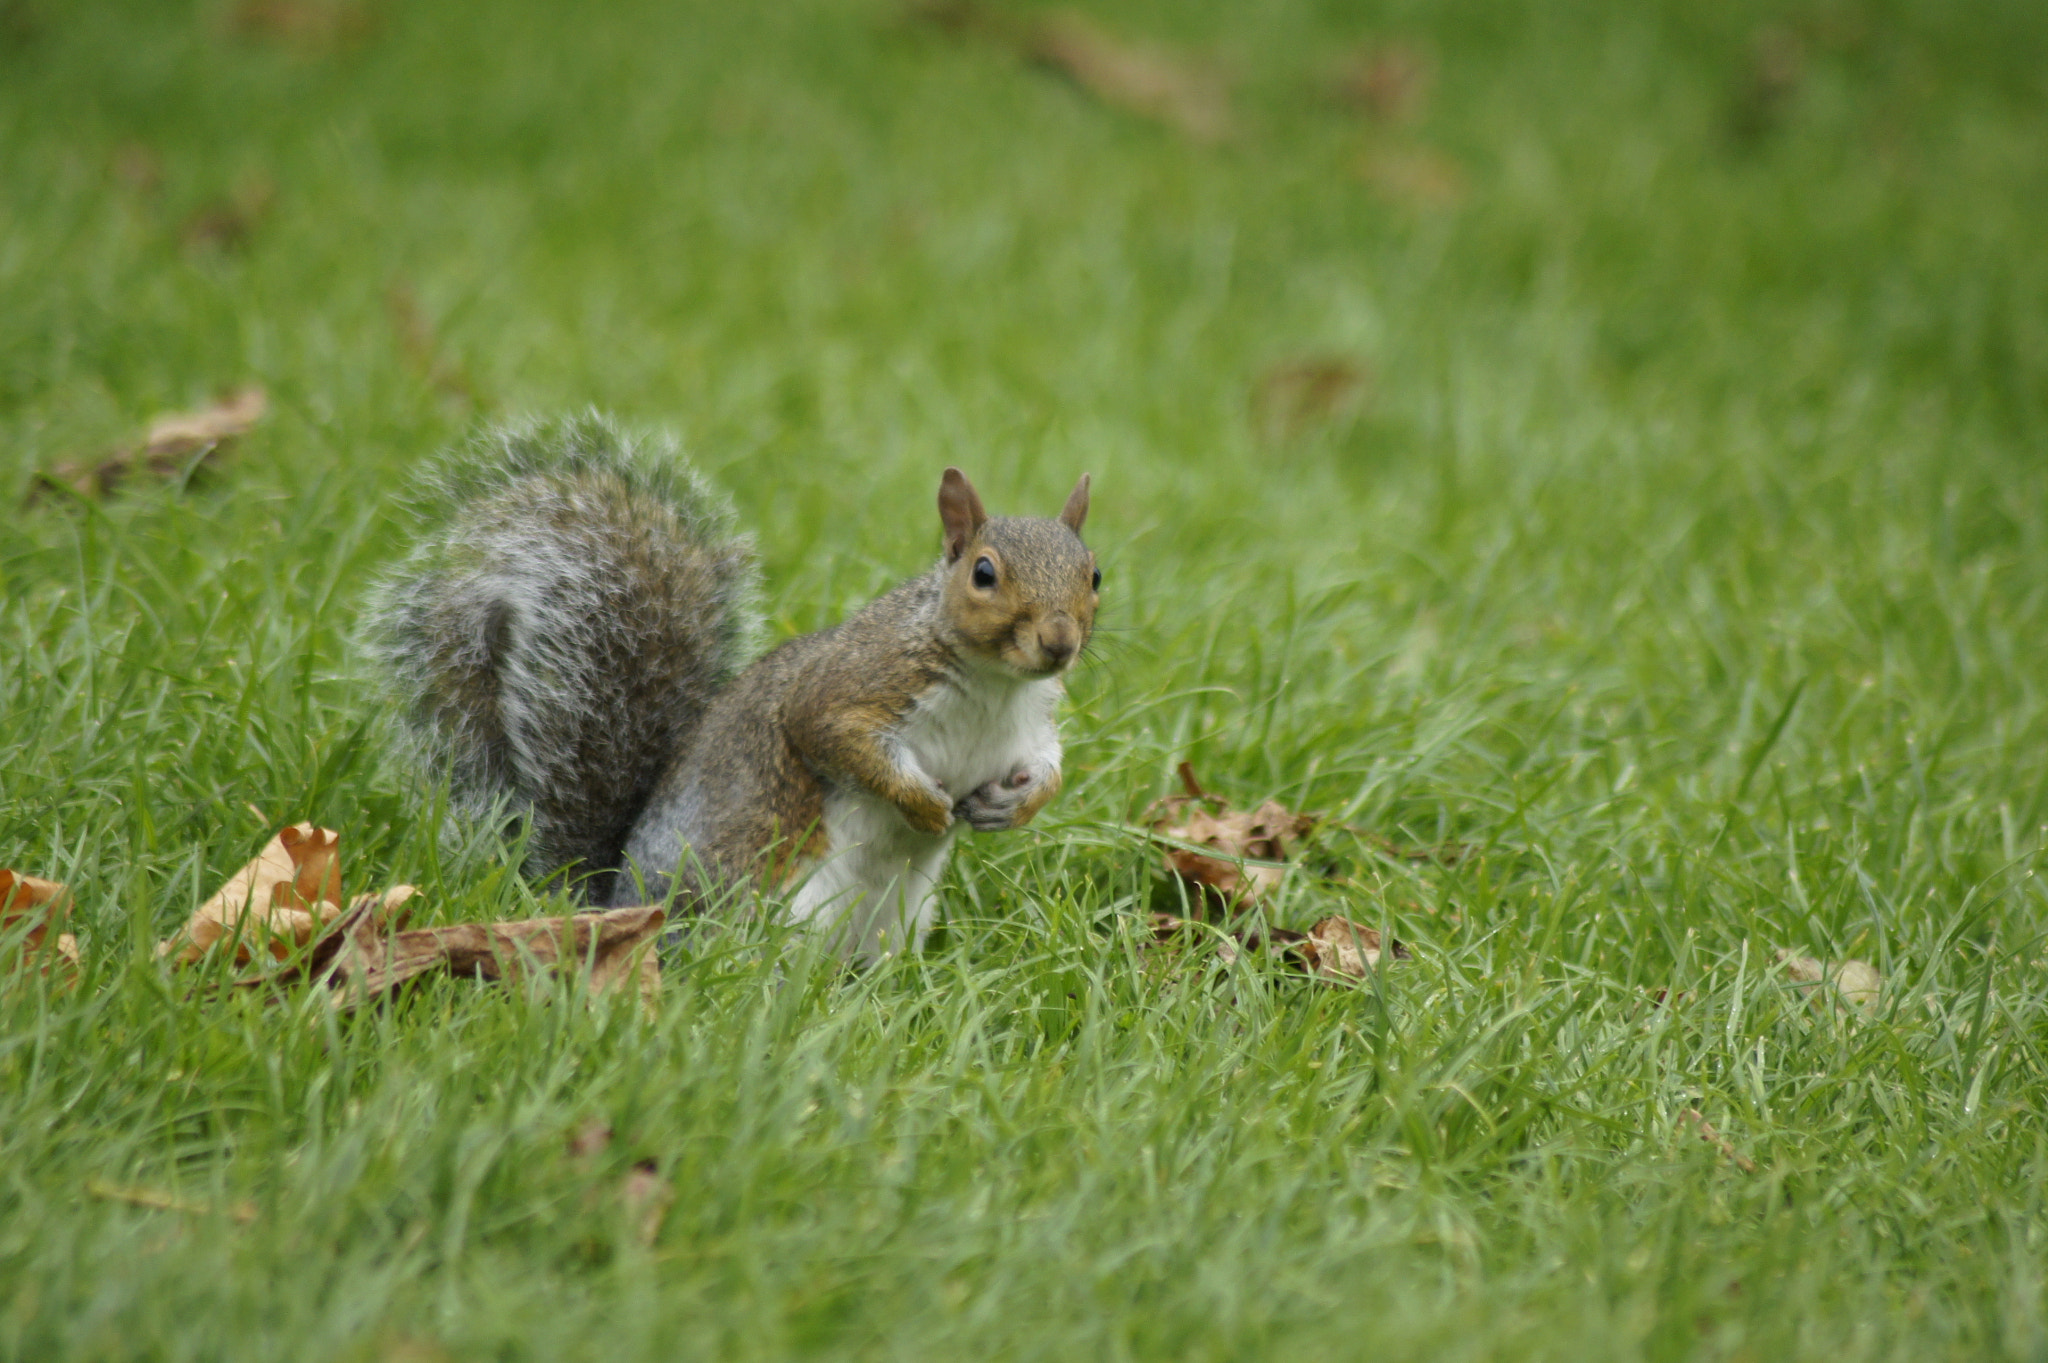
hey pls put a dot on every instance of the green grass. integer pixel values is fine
(1688, 558)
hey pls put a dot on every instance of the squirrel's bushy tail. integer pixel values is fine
(578, 598)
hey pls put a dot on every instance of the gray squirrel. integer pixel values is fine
(565, 644)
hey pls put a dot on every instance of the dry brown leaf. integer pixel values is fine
(43, 905)
(389, 911)
(1694, 1118)
(318, 27)
(276, 903)
(1856, 982)
(1414, 177)
(1226, 877)
(1390, 82)
(230, 223)
(643, 1193)
(1316, 390)
(175, 443)
(1771, 78)
(180, 435)
(647, 1197)
(1145, 79)
(590, 1139)
(160, 1201)
(1334, 949)
(361, 961)
(1339, 949)
(20, 23)
(138, 168)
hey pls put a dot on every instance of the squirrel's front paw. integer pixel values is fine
(929, 811)
(1009, 801)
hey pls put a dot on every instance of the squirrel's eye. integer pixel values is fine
(984, 573)
(1098, 579)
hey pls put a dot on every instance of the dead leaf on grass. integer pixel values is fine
(229, 224)
(1335, 949)
(590, 1139)
(276, 903)
(361, 961)
(1389, 82)
(1298, 395)
(316, 27)
(1855, 983)
(139, 169)
(1145, 79)
(1770, 79)
(644, 1194)
(647, 1197)
(1150, 81)
(1339, 949)
(177, 443)
(20, 24)
(1414, 176)
(43, 905)
(1229, 876)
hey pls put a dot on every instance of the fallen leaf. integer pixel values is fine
(179, 435)
(590, 1139)
(276, 903)
(1390, 82)
(230, 224)
(1145, 79)
(19, 22)
(1316, 390)
(360, 961)
(43, 905)
(1414, 176)
(319, 27)
(1339, 949)
(388, 911)
(1770, 79)
(1704, 1129)
(1334, 949)
(1228, 876)
(159, 1201)
(647, 1197)
(1857, 983)
(138, 168)
(177, 443)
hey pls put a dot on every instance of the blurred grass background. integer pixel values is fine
(1609, 435)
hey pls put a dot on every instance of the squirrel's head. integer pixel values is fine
(1020, 591)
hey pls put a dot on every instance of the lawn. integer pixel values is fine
(1610, 439)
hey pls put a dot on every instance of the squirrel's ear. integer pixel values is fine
(1076, 509)
(959, 511)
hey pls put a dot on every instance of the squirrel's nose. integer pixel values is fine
(1058, 639)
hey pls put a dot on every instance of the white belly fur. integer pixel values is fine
(873, 890)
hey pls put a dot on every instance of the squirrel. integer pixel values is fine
(565, 644)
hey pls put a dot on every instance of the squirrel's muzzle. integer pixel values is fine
(1059, 639)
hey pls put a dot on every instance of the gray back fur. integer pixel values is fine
(578, 598)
